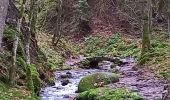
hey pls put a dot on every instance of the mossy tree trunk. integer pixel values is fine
(32, 31)
(147, 24)
(13, 67)
(15, 44)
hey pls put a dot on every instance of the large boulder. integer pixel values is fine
(97, 80)
(108, 94)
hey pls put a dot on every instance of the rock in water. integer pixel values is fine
(65, 82)
(66, 76)
(97, 80)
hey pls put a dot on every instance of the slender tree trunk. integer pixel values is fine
(147, 23)
(169, 19)
(58, 26)
(145, 37)
(27, 46)
(14, 54)
(15, 45)
(3, 13)
(34, 17)
(150, 16)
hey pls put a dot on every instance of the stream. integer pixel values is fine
(142, 81)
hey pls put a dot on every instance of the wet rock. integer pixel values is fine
(65, 82)
(51, 84)
(66, 96)
(59, 87)
(114, 70)
(66, 76)
(69, 73)
(113, 65)
(133, 89)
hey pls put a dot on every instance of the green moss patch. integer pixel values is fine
(9, 93)
(33, 80)
(97, 80)
(108, 94)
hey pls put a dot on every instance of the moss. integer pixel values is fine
(9, 93)
(65, 67)
(37, 83)
(20, 50)
(96, 80)
(9, 32)
(85, 63)
(108, 94)
(30, 84)
(33, 80)
(22, 63)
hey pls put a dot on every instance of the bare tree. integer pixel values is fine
(58, 23)
(3, 12)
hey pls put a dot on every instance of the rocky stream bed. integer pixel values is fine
(142, 81)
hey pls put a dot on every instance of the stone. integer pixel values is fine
(65, 82)
(66, 76)
(97, 80)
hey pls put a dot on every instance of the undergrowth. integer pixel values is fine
(114, 46)
(108, 94)
(158, 59)
(9, 93)
(55, 55)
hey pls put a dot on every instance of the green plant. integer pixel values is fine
(108, 94)
(115, 46)
(9, 32)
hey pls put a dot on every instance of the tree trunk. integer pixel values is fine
(13, 68)
(32, 23)
(150, 16)
(58, 30)
(15, 45)
(3, 12)
(169, 19)
(147, 23)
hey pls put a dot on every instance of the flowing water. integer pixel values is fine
(141, 81)
(67, 92)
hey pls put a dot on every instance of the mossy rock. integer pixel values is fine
(97, 80)
(108, 94)
(85, 64)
